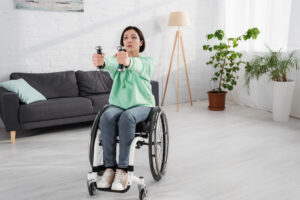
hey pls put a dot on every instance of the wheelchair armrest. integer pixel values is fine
(153, 111)
(155, 91)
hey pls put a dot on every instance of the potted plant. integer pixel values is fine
(226, 61)
(276, 65)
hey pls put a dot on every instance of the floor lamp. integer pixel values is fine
(178, 19)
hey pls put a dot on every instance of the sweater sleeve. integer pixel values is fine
(142, 66)
(111, 65)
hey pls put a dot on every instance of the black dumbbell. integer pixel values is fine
(121, 67)
(99, 51)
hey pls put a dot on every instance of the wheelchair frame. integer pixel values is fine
(147, 130)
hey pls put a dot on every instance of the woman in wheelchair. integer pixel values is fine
(131, 101)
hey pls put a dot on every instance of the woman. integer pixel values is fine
(131, 100)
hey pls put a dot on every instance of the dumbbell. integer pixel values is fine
(99, 51)
(121, 67)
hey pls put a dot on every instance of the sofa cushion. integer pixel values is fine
(99, 101)
(51, 85)
(25, 92)
(55, 109)
(93, 82)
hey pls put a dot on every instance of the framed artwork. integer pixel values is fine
(54, 5)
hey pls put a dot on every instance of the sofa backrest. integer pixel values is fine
(99, 82)
(93, 82)
(71, 84)
(51, 85)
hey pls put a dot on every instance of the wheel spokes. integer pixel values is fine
(158, 145)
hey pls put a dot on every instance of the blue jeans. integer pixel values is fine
(117, 120)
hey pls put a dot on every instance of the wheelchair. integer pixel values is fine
(152, 132)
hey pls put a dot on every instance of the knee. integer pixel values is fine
(106, 118)
(127, 117)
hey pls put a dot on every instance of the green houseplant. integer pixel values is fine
(276, 65)
(226, 61)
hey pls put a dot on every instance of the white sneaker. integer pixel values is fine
(106, 179)
(120, 181)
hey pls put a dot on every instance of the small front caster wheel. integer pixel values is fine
(143, 190)
(91, 188)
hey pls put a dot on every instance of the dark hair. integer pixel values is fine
(140, 34)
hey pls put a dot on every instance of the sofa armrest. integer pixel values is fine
(9, 109)
(155, 91)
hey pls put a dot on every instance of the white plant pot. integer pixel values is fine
(282, 100)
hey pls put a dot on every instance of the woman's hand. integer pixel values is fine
(98, 59)
(122, 58)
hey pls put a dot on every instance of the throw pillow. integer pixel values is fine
(25, 92)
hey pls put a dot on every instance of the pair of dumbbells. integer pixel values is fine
(120, 48)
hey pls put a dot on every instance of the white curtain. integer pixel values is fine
(271, 17)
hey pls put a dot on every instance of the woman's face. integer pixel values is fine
(132, 41)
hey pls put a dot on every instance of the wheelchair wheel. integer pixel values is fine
(94, 132)
(158, 144)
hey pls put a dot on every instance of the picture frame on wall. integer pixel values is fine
(53, 5)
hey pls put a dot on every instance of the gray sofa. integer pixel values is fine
(72, 97)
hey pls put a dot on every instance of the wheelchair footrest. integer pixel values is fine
(117, 191)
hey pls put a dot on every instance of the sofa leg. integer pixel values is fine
(12, 136)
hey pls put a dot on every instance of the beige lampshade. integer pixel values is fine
(178, 19)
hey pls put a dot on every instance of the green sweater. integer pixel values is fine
(132, 87)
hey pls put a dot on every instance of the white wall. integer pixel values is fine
(47, 41)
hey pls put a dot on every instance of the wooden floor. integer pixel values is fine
(237, 154)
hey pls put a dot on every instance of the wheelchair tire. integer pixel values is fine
(158, 144)
(94, 132)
